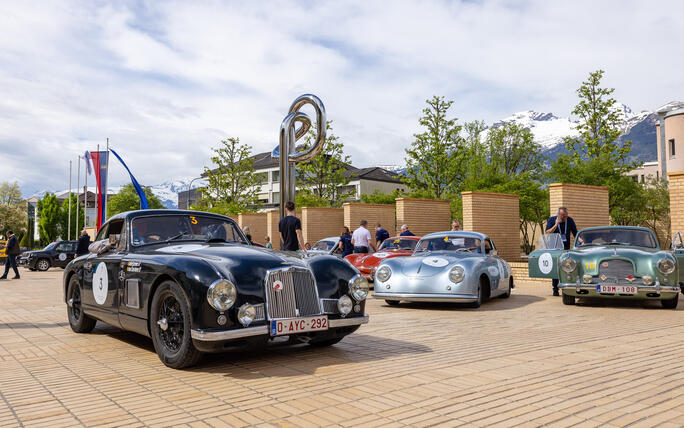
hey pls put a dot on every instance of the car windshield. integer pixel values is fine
(398, 244)
(616, 236)
(182, 227)
(323, 245)
(50, 246)
(449, 243)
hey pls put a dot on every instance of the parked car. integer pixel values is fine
(57, 254)
(191, 281)
(398, 246)
(446, 267)
(325, 247)
(618, 262)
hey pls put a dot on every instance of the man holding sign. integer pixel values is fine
(563, 225)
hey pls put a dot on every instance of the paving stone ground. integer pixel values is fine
(526, 361)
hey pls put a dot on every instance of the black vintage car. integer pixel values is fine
(191, 281)
(57, 254)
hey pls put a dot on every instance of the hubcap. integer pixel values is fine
(42, 265)
(74, 302)
(163, 324)
(170, 322)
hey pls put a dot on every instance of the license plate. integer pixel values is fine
(617, 289)
(299, 325)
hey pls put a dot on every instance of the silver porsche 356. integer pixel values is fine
(446, 266)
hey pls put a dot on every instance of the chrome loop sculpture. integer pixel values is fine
(289, 134)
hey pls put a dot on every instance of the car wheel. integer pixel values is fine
(507, 294)
(327, 342)
(392, 302)
(568, 299)
(78, 320)
(480, 295)
(670, 303)
(170, 327)
(43, 265)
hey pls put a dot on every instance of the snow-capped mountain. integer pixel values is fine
(548, 129)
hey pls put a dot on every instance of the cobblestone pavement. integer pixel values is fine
(527, 360)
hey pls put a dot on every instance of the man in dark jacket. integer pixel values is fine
(380, 234)
(12, 250)
(564, 225)
(83, 243)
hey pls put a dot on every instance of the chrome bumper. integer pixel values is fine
(657, 288)
(426, 297)
(239, 333)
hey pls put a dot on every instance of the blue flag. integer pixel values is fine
(141, 194)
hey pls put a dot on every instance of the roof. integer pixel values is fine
(456, 234)
(141, 213)
(646, 229)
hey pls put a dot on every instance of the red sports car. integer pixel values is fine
(391, 247)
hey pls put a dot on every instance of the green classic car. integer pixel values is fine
(612, 261)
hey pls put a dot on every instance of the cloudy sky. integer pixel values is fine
(166, 81)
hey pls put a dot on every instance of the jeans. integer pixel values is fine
(11, 261)
(554, 283)
(360, 249)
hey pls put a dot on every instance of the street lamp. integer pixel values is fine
(190, 188)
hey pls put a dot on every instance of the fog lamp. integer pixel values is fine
(344, 305)
(246, 314)
(587, 278)
(647, 279)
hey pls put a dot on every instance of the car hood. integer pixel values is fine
(432, 263)
(644, 259)
(374, 259)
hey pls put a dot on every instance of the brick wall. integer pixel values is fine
(319, 223)
(257, 223)
(676, 201)
(587, 205)
(373, 213)
(423, 216)
(496, 215)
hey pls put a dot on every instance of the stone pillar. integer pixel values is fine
(676, 187)
(423, 216)
(257, 223)
(496, 215)
(373, 213)
(587, 205)
(321, 222)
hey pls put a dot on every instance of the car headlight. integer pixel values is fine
(568, 265)
(383, 274)
(666, 266)
(358, 287)
(344, 305)
(457, 274)
(647, 279)
(221, 294)
(246, 314)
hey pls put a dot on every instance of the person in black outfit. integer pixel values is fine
(405, 231)
(83, 243)
(12, 250)
(290, 228)
(380, 234)
(564, 225)
(344, 243)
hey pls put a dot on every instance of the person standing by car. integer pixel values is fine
(345, 243)
(290, 228)
(563, 225)
(405, 231)
(361, 238)
(83, 244)
(12, 250)
(380, 234)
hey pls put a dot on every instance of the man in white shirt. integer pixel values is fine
(361, 239)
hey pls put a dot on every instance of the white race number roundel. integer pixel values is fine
(545, 263)
(435, 261)
(100, 283)
(62, 256)
(381, 255)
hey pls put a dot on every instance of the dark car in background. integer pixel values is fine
(57, 254)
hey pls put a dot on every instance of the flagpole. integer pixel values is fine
(69, 221)
(104, 214)
(78, 190)
(85, 194)
(97, 193)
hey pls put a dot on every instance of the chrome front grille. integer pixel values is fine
(330, 306)
(615, 270)
(291, 292)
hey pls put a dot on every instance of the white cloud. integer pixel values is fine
(167, 80)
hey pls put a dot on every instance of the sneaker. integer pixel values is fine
(556, 293)
(16, 277)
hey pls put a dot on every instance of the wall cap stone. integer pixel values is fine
(423, 199)
(320, 208)
(506, 195)
(580, 186)
(675, 174)
(366, 205)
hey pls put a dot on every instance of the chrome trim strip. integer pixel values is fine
(640, 288)
(345, 322)
(426, 297)
(213, 336)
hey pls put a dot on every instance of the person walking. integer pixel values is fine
(380, 234)
(290, 228)
(405, 231)
(564, 225)
(83, 243)
(455, 226)
(12, 250)
(345, 242)
(361, 238)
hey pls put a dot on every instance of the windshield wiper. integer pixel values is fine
(177, 236)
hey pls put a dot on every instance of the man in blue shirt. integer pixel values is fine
(563, 225)
(380, 234)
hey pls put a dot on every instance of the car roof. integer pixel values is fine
(645, 229)
(329, 238)
(414, 238)
(150, 212)
(456, 234)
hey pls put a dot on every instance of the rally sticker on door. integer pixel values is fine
(62, 256)
(545, 263)
(435, 261)
(100, 283)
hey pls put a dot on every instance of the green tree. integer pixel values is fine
(49, 217)
(13, 212)
(378, 197)
(231, 184)
(324, 174)
(10, 194)
(128, 200)
(435, 160)
(64, 220)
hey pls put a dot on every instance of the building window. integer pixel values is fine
(635, 178)
(275, 175)
(276, 197)
(672, 148)
(263, 177)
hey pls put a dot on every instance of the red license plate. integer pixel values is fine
(617, 289)
(299, 325)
